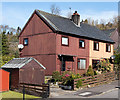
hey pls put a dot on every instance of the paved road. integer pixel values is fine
(102, 91)
(108, 94)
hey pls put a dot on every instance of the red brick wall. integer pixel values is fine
(72, 49)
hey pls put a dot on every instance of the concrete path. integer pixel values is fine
(94, 92)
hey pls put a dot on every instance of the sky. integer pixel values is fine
(16, 14)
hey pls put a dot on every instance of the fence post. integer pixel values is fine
(23, 92)
(48, 89)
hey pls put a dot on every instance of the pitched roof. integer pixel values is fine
(109, 31)
(20, 62)
(62, 24)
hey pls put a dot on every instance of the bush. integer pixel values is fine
(95, 73)
(104, 66)
(79, 83)
(90, 71)
(56, 76)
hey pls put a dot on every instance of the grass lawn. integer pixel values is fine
(12, 94)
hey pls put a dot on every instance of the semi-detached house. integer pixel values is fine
(63, 44)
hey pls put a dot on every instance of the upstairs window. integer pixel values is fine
(81, 44)
(96, 45)
(108, 48)
(81, 63)
(25, 41)
(65, 41)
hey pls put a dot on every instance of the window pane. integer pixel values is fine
(82, 63)
(96, 46)
(81, 43)
(64, 40)
(26, 41)
(108, 47)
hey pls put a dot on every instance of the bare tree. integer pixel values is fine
(69, 14)
(55, 9)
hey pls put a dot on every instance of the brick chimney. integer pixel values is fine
(76, 18)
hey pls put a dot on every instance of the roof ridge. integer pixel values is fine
(52, 14)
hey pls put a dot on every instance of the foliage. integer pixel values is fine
(56, 76)
(5, 44)
(55, 9)
(117, 58)
(6, 58)
(67, 80)
(95, 72)
(8, 43)
(104, 66)
(66, 77)
(90, 71)
(79, 83)
(103, 25)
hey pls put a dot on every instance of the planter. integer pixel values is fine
(66, 87)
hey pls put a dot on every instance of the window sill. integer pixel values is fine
(81, 69)
(96, 50)
(65, 45)
(81, 47)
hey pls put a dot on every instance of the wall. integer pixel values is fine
(4, 80)
(14, 78)
(97, 55)
(31, 73)
(72, 49)
(41, 43)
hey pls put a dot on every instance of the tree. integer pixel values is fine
(5, 44)
(69, 14)
(55, 10)
(117, 59)
(85, 21)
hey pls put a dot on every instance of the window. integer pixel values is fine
(65, 41)
(94, 64)
(108, 48)
(81, 44)
(96, 45)
(81, 63)
(25, 41)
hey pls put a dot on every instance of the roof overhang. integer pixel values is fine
(60, 55)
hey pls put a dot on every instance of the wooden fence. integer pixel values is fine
(96, 80)
(37, 90)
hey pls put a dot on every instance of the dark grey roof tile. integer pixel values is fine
(65, 25)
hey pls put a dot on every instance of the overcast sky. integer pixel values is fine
(16, 14)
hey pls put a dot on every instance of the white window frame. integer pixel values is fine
(65, 41)
(79, 63)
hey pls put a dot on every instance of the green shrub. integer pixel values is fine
(90, 71)
(56, 76)
(95, 73)
(104, 66)
(79, 83)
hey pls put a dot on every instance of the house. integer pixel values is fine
(63, 44)
(24, 70)
(4, 80)
(113, 34)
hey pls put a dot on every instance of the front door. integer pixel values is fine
(63, 66)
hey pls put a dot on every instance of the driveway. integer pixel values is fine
(101, 91)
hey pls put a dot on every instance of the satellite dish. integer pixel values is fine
(20, 46)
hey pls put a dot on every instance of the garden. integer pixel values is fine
(69, 80)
